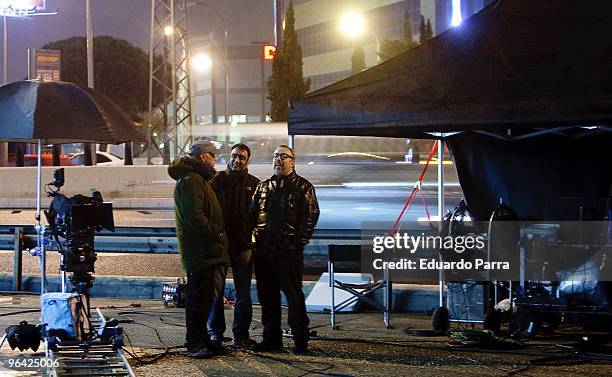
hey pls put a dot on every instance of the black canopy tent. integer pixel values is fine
(522, 91)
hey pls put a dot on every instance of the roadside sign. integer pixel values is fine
(45, 64)
(269, 51)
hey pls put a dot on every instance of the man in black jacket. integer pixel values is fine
(284, 213)
(234, 188)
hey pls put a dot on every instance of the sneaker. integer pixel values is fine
(246, 343)
(199, 353)
(266, 346)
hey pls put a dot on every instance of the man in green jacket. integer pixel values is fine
(202, 241)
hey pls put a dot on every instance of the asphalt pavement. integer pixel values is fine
(360, 347)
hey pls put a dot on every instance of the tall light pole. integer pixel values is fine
(5, 52)
(89, 152)
(202, 63)
(90, 71)
(279, 11)
(225, 61)
(4, 145)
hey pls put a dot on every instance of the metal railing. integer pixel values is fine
(152, 240)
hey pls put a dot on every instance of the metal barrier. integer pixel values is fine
(154, 241)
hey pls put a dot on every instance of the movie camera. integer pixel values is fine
(73, 222)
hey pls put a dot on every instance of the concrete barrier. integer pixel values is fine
(18, 185)
(149, 186)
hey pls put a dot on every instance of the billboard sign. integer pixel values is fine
(45, 64)
(18, 8)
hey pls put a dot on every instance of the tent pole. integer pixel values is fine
(40, 231)
(441, 206)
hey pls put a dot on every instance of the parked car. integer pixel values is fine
(32, 159)
(102, 159)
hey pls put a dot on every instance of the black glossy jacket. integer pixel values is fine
(284, 214)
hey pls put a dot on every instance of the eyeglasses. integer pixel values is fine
(282, 156)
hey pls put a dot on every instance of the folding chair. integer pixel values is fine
(348, 258)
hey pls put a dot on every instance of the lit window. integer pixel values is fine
(456, 17)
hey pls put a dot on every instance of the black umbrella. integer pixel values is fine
(56, 112)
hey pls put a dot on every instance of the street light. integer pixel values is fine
(353, 25)
(225, 62)
(201, 62)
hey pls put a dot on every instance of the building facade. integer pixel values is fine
(247, 74)
(327, 52)
(249, 25)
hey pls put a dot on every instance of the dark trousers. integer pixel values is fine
(275, 273)
(202, 287)
(242, 271)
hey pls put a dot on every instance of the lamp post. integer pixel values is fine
(353, 25)
(89, 149)
(225, 61)
(202, 63)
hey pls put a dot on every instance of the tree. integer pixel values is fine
(407, 31)
(121, 70)
(358, 59)
(287, 80)
(428, 30)
(393, 47)
(390, 48)
(425, 30)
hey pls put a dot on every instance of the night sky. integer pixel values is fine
(247, 21)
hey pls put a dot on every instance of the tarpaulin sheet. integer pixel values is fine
(550, 177)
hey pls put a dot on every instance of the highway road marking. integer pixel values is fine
(396, 184)
(145, 219)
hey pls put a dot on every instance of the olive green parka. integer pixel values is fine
(199, 221)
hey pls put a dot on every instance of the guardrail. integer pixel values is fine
(153, 240)
(149, 240)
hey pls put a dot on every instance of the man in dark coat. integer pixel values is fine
(284, 213)
(202, 241)
(234, 188)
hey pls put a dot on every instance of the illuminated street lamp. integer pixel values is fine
(168, 30)
(353, 25)
(201, 62)
(225, 61)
